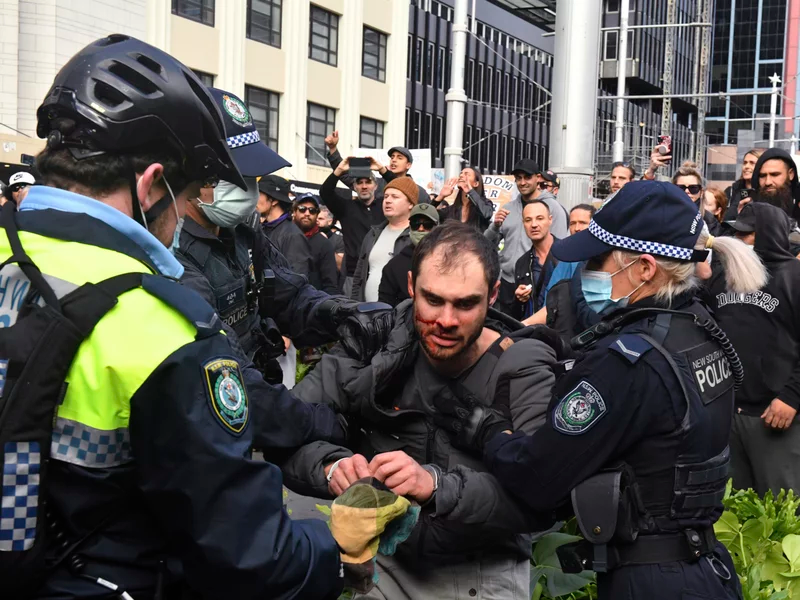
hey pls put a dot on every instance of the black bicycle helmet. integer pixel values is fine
(120, 93)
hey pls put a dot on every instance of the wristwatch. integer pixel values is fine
(435, 473)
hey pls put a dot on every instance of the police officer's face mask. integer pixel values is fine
(597, 286)
(232, 205)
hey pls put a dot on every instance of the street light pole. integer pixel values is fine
(456, 97)
(773, 107)
(622, 69)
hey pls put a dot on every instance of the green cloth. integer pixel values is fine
(366, 519)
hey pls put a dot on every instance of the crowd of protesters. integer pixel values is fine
(363, 247)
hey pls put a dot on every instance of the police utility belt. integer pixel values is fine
(606, 507)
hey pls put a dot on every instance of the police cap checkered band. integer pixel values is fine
(643, 246)
(243, 139)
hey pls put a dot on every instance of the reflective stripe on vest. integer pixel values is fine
(125, 347)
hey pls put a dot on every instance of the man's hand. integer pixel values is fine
(348, 471)
(403, 475)
(742, 203)
(779, 415)
(374, 165)
(657, 160)
(332, 141)
(523, 293)
(363, 327)
(342, 168)
(470, 423)
(500, 216)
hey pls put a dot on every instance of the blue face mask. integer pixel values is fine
(597, 287)
(176, 236)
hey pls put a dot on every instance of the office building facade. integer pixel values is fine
(303, 69)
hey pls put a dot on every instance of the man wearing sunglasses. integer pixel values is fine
(275, 206)
(394, 280)
(322, 274)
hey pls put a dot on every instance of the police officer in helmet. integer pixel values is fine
(637, 432)
(235, 268)
(139, 483)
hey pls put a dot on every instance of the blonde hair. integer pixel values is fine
(744, 271)
(689, 169)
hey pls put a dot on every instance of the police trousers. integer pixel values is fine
(705, 579)
(501, 578)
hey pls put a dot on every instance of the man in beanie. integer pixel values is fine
(394, 281)
(386, 240)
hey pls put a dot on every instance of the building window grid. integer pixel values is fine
(374, 55)
(429, 64)
(323, 42)
(264, 21)
(201, 11)
(264, 107)
(207, 79)
(418, 60)
(320, 121)
(371, 133)
(440, 68)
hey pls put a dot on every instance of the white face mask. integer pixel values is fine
(232, 205)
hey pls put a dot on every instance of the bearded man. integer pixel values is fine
(470, 538)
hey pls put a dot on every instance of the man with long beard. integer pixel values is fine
(775, 182)
(469, 540)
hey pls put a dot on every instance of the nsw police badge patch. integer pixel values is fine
(579, 410)
(227, 394)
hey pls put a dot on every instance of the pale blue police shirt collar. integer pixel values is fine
(42, 197)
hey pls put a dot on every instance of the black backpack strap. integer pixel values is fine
(88, 304)
(9, 223)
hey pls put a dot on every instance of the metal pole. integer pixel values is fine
(793, 146)
(474, 27)
(749, 92)
(695, 79)
(456, 97)
(702, 103)
(659, 26)
(773, 108)
(669, 60)
(574, 114)
(622, 70)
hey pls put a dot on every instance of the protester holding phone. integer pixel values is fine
(661, 156)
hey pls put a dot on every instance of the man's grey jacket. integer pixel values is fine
(388, 406)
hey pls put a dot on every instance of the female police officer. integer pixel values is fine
(637, 431)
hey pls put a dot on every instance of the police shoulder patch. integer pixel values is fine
(227, 394)
(631, 347)
(579, 410)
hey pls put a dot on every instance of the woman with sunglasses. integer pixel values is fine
(690, 180)
(470, 205)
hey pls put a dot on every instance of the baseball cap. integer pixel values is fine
(252, 156)
(425, 210)
(746, 220)
(650, 217)
(551, 177)
(277, 188)
(307, 197)
(527, 166)
(21, 178)
(404, 151)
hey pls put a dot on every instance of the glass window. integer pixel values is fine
(417, 128)
(201, 11)
(612, 6)
(467, 144)
(207, 79)
(487, 88)
(610, 43)
(409, 54)
(440, 69)
(429, 64)
(469, 82)
(371, 134)
(264, 108)
(324, 37)
(320, 121)
(438, 130)
(264, 21)
(479, 83)
(425, 139)
(374, 55)
(418, 59)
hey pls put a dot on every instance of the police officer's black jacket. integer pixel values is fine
(765, 326)
(623, 403)
(219, 268)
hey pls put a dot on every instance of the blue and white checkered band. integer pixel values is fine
(243, 139)
(620, 241)
(20, 498)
